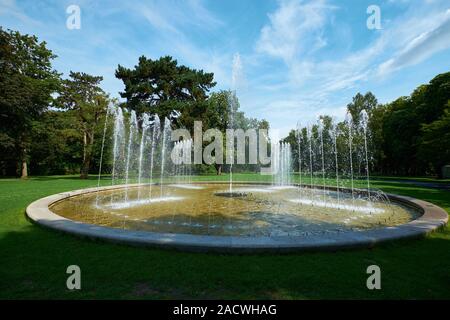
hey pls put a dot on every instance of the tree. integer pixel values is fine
(81, 94)
(223, 113)
(434, 145)
(27, 82)
(361, 102)
(56, 144)
(409, 124)
(400, 133)
(218, 115)
(433, 99)
(160, 86)
(377, 141)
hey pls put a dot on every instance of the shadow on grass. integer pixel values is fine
(37, 258)
(436, 196)
(34, 261)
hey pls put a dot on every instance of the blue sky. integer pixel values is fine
(289, 60)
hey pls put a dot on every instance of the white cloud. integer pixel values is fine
(198, 14)
(176, 22)
(294, 35)
(307, 83)
(175, 16)
(294, 27)
(420, 48)
(157, 20)
(305, 59)
(10, 8)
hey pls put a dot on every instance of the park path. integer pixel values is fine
(432, 185)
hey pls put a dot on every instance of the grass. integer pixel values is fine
(34, 260)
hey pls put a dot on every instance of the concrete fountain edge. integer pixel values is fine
(432, 218)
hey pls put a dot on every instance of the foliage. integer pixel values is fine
(413, 130)
(434, 144)
(160, 86)
(27, 82)
(57, 144)
(81, 95)
(408, 136)
(224, 113)
(360, 102)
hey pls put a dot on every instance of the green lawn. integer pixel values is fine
(34, 260)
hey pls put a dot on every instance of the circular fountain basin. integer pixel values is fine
(251, 217)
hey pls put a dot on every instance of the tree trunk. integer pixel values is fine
(218, 169)
(88, 143)
(85, 168)
(24, 171)
(23, 158)
(84, 145)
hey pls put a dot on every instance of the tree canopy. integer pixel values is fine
(413, 130)
(161, 85)
(27, 82)
(82, 96)
(52, 124)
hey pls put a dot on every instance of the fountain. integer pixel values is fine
(165, 145)
(183, 169)
(322, 155)
(282, 157)
(154, 138)
(298, 134)
(119, 143)
(132, 132)
(232, 100)
(349, 122)
(145, 128)
(334, 134)
(280, 215)
(364, 125)
(110, 110)
(311, 172)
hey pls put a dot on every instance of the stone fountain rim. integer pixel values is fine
(432, 218)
